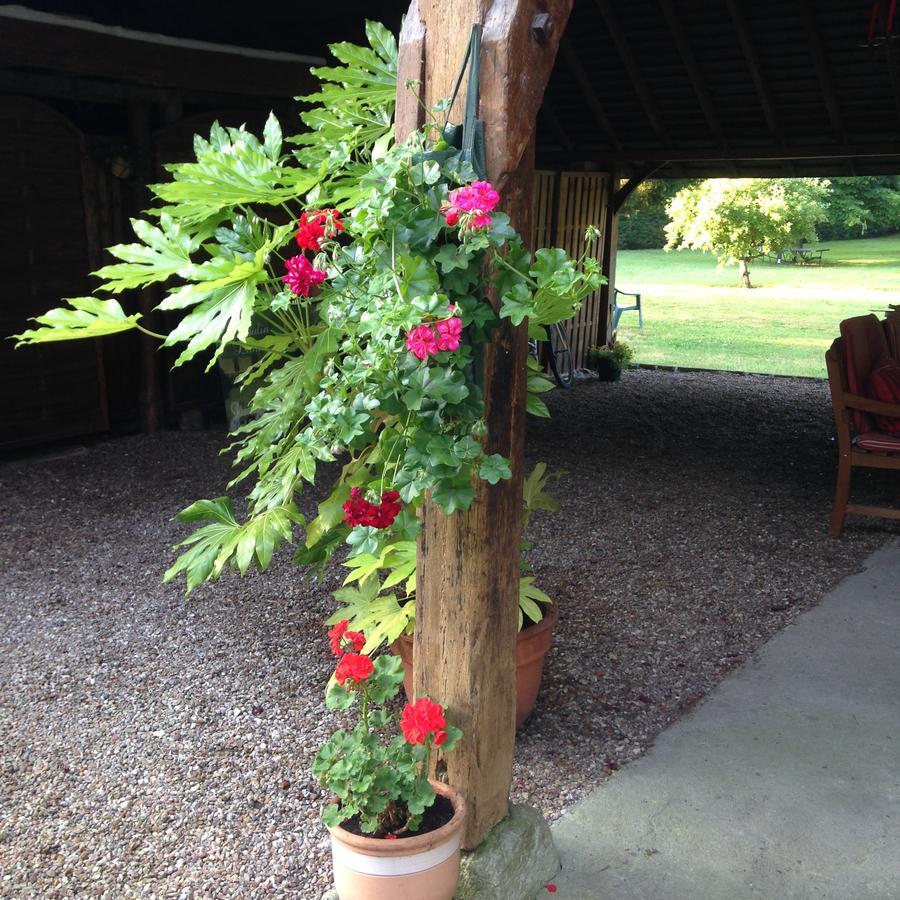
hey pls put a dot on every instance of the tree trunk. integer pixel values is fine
(744, 269)
(468, 564)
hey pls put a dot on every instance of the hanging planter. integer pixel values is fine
(424, 866)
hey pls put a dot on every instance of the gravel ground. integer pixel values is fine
(152, 747)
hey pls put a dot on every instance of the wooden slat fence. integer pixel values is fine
(565, 203)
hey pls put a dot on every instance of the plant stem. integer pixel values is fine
(499, 258)
(152, 334)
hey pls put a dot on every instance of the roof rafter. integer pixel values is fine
(674, 21)
(752, 58)
(570, 57)
(817, 49)
(631, 67)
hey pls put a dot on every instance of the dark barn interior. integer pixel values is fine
(93, 100)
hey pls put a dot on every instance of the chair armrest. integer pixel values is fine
(878, 407)
(625, 293)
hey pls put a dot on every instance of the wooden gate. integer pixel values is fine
(565, 203)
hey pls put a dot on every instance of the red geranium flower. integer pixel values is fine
(357, 638)
(336, 634)
(355, 667)
(315, 225)
(421, 719)
(359, 511)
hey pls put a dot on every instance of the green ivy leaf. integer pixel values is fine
(494, 468)
(452, 495)
(517, 304)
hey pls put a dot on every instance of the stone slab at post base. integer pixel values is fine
(516, 860)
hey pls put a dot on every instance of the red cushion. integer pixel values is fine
(892, 332)
(865, 349)
(884, 385)
(880, 443)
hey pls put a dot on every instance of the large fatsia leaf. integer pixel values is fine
(89, 317)
(225, 541)
(165, 251)
(352, 118)
(233, 168)
(223, 312)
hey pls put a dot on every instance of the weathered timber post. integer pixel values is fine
(609, 241)
(468, 570)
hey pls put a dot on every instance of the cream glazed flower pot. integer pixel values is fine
(421, 867)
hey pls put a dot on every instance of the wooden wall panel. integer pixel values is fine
(565, 204)
(55, 390)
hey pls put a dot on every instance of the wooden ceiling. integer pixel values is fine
(704, 87)
(674, 87)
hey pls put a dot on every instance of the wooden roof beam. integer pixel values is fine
(752, 59)
(570, 58)
(889, 149)
(674, 21)
(617, 33)
(823, 71)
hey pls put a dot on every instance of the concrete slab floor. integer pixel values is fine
(784, 784)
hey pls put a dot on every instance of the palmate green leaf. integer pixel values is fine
(88, 317)
(534, 490)
(225, 541)
(453, 494)
(530, 596)
(399, 557)
(381, 617)
(331, 513)
(494, 468)
(232, 169)
(383, 43)
(272, 137)
(165, 251)
(223, 314)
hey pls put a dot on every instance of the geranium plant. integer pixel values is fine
(378, 770)
(375, 274)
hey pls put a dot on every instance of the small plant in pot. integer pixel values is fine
(385, 609)
(394, 833)
(609, 360)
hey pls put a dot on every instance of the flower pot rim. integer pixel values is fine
(409, 846)
(549, 619)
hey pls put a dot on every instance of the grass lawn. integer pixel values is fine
(696, 314)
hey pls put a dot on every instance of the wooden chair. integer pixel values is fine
(859, 444)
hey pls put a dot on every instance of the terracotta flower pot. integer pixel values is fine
(422, 867)
(532, 645)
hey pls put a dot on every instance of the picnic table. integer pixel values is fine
(807, 256)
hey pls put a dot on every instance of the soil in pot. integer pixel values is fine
(439, 813)
(532, 645)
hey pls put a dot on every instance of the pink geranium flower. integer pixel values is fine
(302, 277)
(421, 341)
(469, 206)
(449, 332)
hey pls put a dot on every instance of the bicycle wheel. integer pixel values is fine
(561, 363)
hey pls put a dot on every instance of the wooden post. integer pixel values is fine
(468, 569)
(609, 241)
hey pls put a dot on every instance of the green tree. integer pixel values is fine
(739, 218)
(866, 206)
